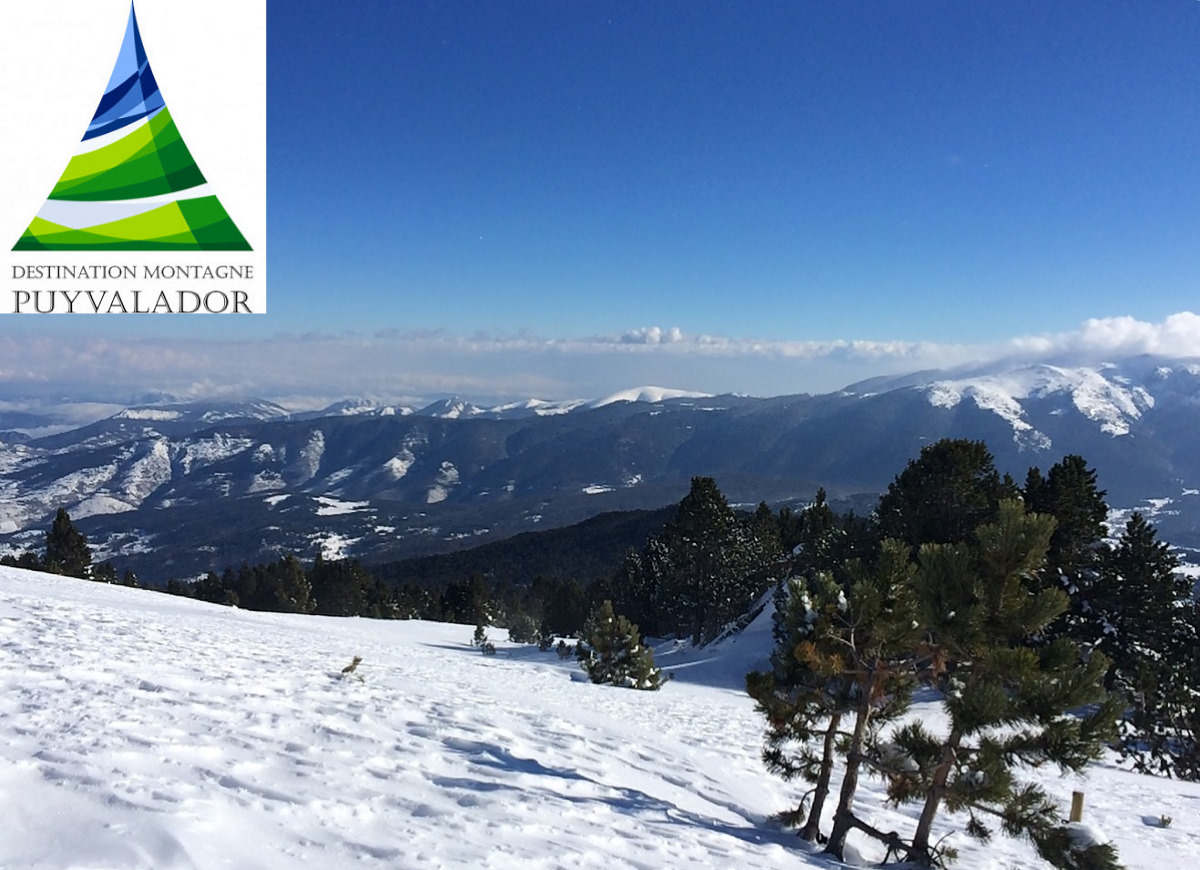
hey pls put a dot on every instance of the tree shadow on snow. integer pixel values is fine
(627, 801)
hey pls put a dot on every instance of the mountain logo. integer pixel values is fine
(132, 184)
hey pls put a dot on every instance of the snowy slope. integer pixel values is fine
(143, 731)
(1113, 403)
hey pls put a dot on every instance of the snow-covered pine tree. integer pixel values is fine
(1007, 693)
(611, 651)
(702, 571)
(820, 535)
(640, 586)
(817, 538)
(523, 628)
(717, 562)
(1146, 623)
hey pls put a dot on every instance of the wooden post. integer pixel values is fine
(1076, 806)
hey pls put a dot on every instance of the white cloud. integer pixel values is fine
(1177, 336)
(391, 365)
(652, 335)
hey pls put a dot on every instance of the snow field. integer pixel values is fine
(139, 730)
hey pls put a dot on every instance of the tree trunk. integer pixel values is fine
(844, 817)
(812, 827)
(919, 851)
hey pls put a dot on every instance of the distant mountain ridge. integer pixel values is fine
(178, 488)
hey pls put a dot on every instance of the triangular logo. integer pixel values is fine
(132, 184)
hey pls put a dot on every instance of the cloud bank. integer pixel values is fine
(305, 370)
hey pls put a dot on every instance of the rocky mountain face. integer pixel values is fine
(173, 489)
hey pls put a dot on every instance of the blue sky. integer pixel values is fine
(761, 173)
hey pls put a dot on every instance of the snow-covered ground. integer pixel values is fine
(143, 731)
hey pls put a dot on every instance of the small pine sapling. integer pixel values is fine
(523, 628)
(612, 652)
(1075, 846)
(482, 641)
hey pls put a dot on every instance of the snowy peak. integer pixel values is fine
(536, 408)
(652, 395)
(358, 407)
(453, 408)
(457, 408)
(152, 414)
(204, 412)
(255, 409)
(1114, 397)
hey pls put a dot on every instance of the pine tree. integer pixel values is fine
(339, 588)
(819, 539)
(879, 639)
(28, 560)
(523, 628)
(1070, 494)
(67, 550)
(802, 702)
(843, 665)
(1141, 601)
(612, 652)
(764, 531)
(703, 571)
(707, 558)
(409, 601)
(482, 607)
(1007, 697)
(105, 572)
(941, 496)
(641, 587)
(1146, 623)
(293, 590)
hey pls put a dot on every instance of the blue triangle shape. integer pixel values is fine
(132, 92)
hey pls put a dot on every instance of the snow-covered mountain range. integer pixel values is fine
(180, 488)
(456, 408)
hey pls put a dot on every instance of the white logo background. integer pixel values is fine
(210, 61)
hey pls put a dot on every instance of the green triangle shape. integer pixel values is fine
(143, 157)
